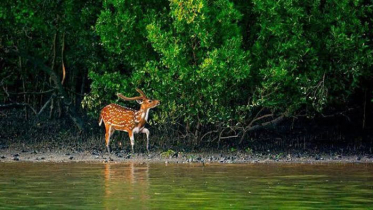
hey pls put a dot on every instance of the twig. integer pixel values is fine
(339, 113)
(6, 92)
(259, 118)
(2, 81)
(227, 137)
(33, 93)
(210, 132)
(18, 104)
(63, 65)
(46, 104)
(272, 122)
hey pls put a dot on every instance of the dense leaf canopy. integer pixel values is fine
(213, 64)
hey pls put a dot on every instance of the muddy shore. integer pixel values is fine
(56, 140)
(61, 155)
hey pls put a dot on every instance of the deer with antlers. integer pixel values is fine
(116, 117)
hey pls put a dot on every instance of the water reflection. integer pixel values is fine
(126, 185)
(185, 186)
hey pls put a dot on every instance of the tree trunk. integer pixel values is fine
(66, 103)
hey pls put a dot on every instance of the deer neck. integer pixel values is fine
(142, 116)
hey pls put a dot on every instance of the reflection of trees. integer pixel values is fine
(126, 185)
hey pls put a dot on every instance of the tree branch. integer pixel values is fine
(33, 93)
(259, 118)
(15, 104)
(273, 122)
(46, 104)
(57, 81)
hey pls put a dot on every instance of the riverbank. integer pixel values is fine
(170, 156)
(72, 149)
(56, 140)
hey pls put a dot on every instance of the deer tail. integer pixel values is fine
(100, 120)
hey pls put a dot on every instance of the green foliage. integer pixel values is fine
(301, 56)
(190, 55)
(168, 154)
(212, 64)
(249, 151)
(233, 149)
(50, 31)
(121, 27)
(311, 54)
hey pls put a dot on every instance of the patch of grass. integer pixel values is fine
(233, 149)
(249, 151)
(168, 154)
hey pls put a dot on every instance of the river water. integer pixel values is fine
(185, 186)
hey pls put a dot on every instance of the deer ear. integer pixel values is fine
(139, 101)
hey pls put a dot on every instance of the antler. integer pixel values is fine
(129, 99)
(141, 93)
(142, 97)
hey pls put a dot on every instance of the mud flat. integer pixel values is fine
(62, 155)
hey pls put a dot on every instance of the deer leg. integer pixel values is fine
(132, 138)
(112, 130)
(146, 131)
(107, 137)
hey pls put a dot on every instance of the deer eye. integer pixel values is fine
(149, 101)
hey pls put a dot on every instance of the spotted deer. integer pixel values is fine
(116, 117)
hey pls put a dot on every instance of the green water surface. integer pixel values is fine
(185, 186)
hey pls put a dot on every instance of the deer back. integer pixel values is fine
(121, 118)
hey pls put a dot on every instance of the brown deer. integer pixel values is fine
(116, 117)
